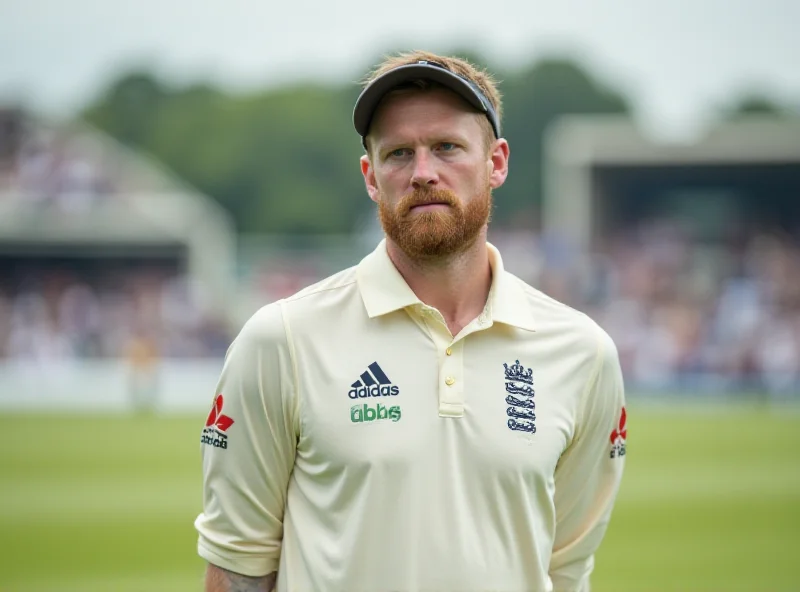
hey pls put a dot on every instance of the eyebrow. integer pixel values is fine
(452, 138)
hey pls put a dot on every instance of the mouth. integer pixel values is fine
(429, 206)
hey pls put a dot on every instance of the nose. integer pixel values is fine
(424, 170)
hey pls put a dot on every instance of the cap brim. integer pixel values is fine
(371, 96)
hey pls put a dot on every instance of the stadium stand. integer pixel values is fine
(102, 253)
(689, 255)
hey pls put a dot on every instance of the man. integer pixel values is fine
(424, 420)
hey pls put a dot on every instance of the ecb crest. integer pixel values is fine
(519, 396)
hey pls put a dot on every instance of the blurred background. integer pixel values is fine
(166, 169)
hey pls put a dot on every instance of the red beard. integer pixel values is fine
(435, 234)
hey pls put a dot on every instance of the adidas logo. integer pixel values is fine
(373, 383)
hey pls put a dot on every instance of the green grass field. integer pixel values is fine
(710, 501)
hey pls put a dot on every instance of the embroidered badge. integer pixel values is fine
(519, 386)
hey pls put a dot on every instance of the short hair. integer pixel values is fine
(479, 76)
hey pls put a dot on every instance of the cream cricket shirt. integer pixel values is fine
(355, 445)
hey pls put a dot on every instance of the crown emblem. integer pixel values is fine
(517, 373)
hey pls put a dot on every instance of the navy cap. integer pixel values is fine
(371, 96)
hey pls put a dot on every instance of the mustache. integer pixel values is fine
(423, 197)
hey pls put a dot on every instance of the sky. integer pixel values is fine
(680, 61)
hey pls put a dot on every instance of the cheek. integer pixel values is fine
(391, 185)
(471, 173)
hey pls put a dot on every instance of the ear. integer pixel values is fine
(369, 178)
(498, 163)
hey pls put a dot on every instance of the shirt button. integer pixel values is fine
(448, 351)
(449, 381)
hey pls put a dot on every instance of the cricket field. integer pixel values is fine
(710, 501)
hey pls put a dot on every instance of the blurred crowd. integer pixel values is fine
(693, 315)
(48, 167)
(140, 314)
(83, 308)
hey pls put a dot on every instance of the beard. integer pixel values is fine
(437, 234)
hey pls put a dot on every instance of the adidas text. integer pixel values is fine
(362, 413)
(376, 390)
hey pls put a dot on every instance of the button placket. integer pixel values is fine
(451, 384)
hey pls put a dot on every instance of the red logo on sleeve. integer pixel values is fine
(619, 435)
(216, 426)
(216, 417)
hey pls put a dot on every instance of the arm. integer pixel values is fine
(222, 580)
(246, 474)
(587, 477)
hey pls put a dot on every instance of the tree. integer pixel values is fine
(129, 107)
(535, 98)
(755, 104)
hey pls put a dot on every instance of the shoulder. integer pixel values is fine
(269, 322)
(554, 317)
(333, 286)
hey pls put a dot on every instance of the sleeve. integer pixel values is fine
(589, 472)
(248, 450)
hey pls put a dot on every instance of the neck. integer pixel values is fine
(457, 285)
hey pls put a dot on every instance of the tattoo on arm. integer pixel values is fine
(222, 580)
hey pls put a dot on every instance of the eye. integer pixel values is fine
(447, 146)
(398, 153)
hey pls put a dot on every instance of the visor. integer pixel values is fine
(371, 96)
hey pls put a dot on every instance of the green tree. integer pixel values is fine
(755, 103)
(534, 98)
(129, 107)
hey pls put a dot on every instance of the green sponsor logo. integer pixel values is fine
(362, 413)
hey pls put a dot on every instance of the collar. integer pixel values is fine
(509, 302)
(384, 290)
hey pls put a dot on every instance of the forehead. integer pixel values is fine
(421, 113)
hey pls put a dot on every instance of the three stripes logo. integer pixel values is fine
(373, 383)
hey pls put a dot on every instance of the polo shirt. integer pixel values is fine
(354, 444)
